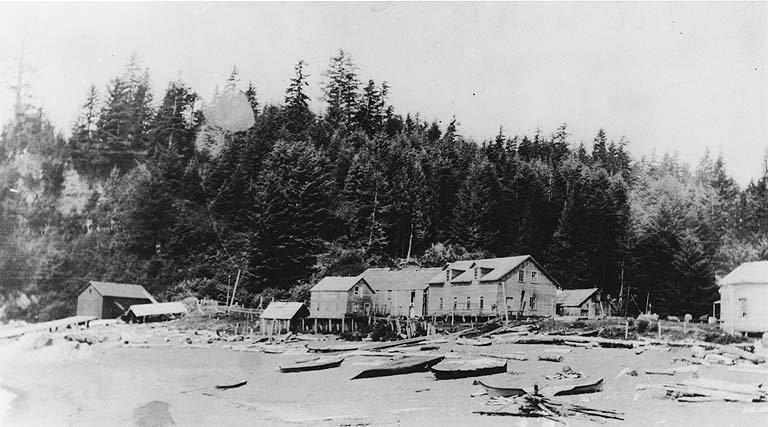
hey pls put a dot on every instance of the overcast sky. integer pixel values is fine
(671, 77)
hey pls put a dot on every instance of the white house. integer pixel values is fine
(744, 298)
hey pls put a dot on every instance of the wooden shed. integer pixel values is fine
(744, 299)
(154, 312)
(107, 300)
(510, 286)
(400, 292)
(282, 315)
(336, 298)
(579, 302)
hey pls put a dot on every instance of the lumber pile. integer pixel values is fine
(569, 339)
(705, 389)
(531, 405)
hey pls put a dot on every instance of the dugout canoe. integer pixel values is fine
(313, 365)
(472, 341)
(405, 365)
(495, 390)
(452, 369)
(581, 387)
(332, 348)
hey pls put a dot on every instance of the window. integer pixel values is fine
(532, 303)
(441, 303)
(455, 303)
(469, 302)
(477, 272)
(743, 307)
(481, 303)
(413, 296)
(357, 290)
(448, 275)
(533, 276)
(521, 276)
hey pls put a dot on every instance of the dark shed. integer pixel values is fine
(107, 300)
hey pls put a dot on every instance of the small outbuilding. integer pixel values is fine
(744, 299)
(280, 316)
(579, 302)
(154, 312)
(108, 300)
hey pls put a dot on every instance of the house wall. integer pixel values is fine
(492, 293)
(339, 304)
(328, 304)
(397, 302)
(542, 289)
(89, 303)
(756, 301)
(356, 303)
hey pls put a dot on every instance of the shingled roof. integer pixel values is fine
(158, 309)
(399, 279)
(493, 269)
(574, 297)
(121, 290)
(338, 283)
(284, 310)
(749, 272)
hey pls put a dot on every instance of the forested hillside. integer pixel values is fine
(179, 195)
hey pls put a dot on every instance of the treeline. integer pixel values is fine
(181, 198)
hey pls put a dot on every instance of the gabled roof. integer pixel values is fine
(157, 309)
(574, 297)
(284, 310)
(499, 268)
(399, 279)
(121, 290)
(462, 265)
(338, 283)
(749, 272)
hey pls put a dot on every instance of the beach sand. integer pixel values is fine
(112, 385)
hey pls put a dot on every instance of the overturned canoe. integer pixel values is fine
(495, 390)
(332, 348)
(313, 365)
(473, 341)
(468, 368)
(405, 365)
(581, 387)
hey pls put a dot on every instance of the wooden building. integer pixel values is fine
(579, 302)
(155, 312)
(107, 300)
(489, 287)
(744, 299)
(335, 299)
(400, 292)
(279, 316)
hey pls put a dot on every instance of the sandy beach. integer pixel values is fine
(108, 384)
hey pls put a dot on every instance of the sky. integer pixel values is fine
(670, 77)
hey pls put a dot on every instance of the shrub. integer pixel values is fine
(642, 326)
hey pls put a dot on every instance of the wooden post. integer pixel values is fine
(234, 291)
(330, 325)
(626, 330)
(342, 324)
(658, 323)
(315, 325)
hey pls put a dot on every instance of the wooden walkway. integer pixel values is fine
(52, 325)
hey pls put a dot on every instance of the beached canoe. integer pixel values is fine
(472, 341)
(405, 365)
(332, 348)
(468, 368)
(313, 365)
(580, 387)
(497, 390)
